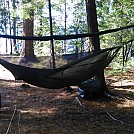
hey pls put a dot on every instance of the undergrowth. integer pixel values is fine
(118, 67)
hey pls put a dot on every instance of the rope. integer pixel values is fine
(114, 118)
(65, 37)
(11, 120)
(9, 126)
(128, 51)
(125, 51)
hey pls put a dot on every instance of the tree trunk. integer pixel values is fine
(28, 26)
(92, 23)
(14, 26)
(93, 27)
(51, 33)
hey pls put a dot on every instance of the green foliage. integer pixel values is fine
(118, 68)
(27, 5)
(111, 14)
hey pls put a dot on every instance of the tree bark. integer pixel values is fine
(28, 26)
(93, 23)
(95, 41)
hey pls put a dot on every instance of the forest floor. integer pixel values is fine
(34, 110)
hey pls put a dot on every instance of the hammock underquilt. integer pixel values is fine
(70, 74)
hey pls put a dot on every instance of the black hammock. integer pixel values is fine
(72, 73)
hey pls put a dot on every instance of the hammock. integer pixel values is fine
(70, 74)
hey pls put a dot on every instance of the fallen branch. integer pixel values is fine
(114, 118)
(79, 101)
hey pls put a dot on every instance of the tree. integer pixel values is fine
(108, 12)
(14, 22)
(28, 26)
(31, 9)
(93, 27)
(78, 25)
(92, 22)
(4, 19)
(112, 14)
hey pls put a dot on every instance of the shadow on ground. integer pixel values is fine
(52, 111)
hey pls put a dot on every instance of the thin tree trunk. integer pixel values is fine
(5, 25)
(10, 29)
(65, 26)
(14, 26)
(51, 33)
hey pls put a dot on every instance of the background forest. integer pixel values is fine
(32, 18)
(35, 110)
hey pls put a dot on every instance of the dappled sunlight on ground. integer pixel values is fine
(123, 83)
(44, 111)
(127, 104)
(54, 111)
